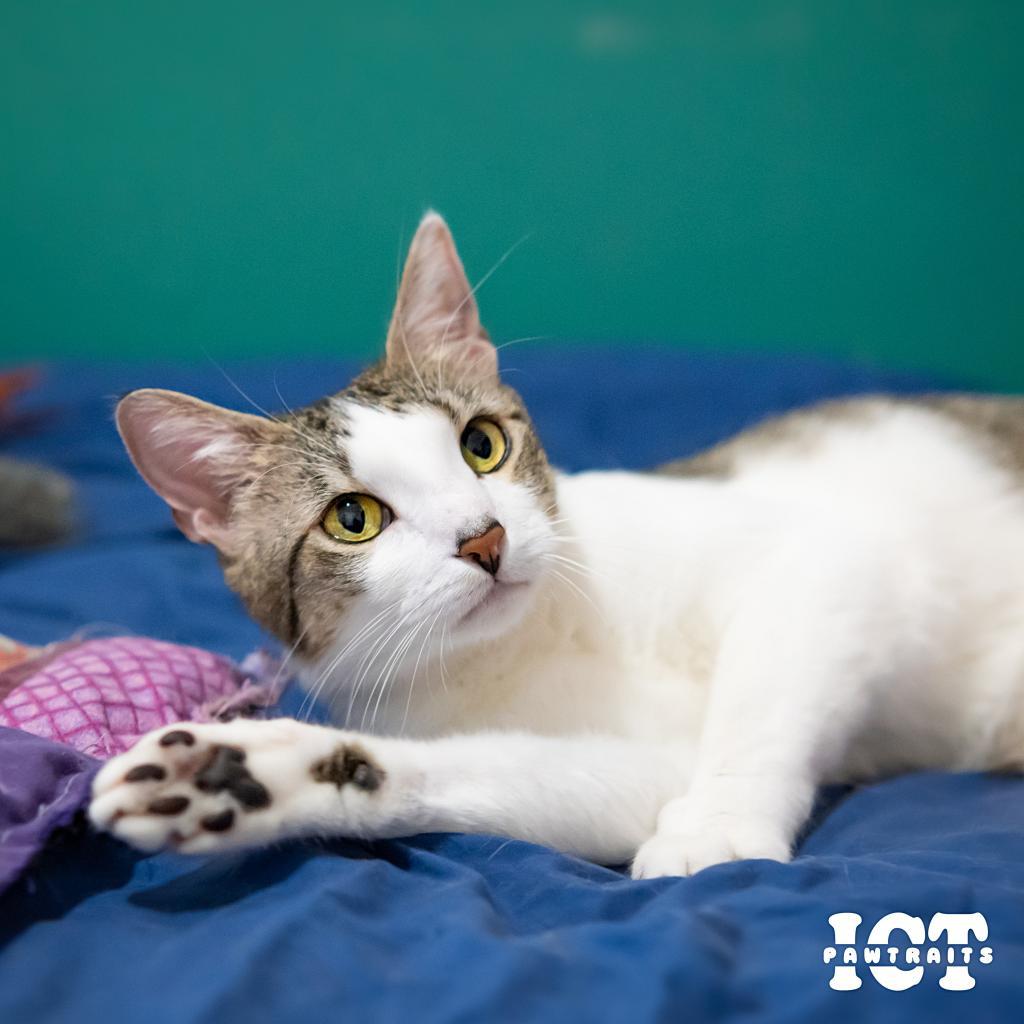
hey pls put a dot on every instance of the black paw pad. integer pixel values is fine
(175, 736)
(252, 795)
(146, 773)
(168, 805)
(349, 765)
(219, 822)
(225, 771)
(225, 766)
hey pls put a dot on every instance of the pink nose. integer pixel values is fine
(485, 548)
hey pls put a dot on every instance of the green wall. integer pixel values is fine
(238, 178)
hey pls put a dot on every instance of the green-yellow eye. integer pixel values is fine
(484, 445)
(353, 518)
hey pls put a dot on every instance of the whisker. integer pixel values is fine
(586, 570)
(582, 593)
(280, 397)
(280, 465)
(371, 656)
(520, 341)
(416, 668)
(400, 319)
(259, 408)
(283, 665)
(387, 674)
(394, 656)
(445, 632)
(361, 634)
(386, 630)
(321, 681)
(237, 387)
(483, 280)
(472, 292)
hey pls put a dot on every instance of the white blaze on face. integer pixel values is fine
(412, 462)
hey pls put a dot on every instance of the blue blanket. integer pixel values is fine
(446, 928)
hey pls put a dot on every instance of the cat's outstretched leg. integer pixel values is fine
(201, 788)
(802, 661)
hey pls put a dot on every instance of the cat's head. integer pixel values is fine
(417, 498)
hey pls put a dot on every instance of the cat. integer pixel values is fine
(657, 669)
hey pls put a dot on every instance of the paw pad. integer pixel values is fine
(169, 805)
(218, 822)
(226, 771)
(348, 764)
(176, 736)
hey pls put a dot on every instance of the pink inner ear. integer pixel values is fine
(183, 478)
(436, 312)
(202, 528)
(188, 452)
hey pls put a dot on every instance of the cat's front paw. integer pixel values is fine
(705, 842)
(203, 787)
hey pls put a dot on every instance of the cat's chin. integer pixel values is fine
(500, 609)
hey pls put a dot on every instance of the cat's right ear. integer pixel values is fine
(193, 454)
(436, 315)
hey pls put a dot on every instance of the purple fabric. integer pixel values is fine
(101, 695)
(93, 699)
(42, 786)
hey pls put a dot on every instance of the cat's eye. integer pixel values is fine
(484, 445)
(354, 518)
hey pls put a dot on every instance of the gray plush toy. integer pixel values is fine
(35, 502)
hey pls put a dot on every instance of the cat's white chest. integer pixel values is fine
(606, 689)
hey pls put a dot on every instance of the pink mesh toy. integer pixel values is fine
(99, 696)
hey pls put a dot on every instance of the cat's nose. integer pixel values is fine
(484, 548)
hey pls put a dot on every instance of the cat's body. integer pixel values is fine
(626, 641)
(668, 663)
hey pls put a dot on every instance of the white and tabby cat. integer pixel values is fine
(656, 668)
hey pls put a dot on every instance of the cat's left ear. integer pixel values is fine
(196, 456)
(436, 315)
